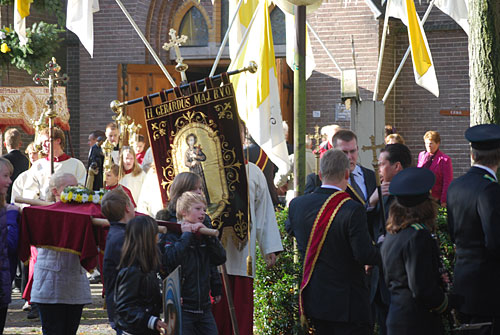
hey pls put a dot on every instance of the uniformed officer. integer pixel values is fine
(474, 225)
(410, 257)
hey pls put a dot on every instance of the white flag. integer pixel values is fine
(423, 66)
(21, 11)
(290, 46)
(80, 20)
(257, 93)
(458, 10)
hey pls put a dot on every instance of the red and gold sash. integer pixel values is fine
(316, 239)
(262, 160)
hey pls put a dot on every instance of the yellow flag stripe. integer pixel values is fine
(267, 57)
(419, 52)
(23, 7)
(246, 11)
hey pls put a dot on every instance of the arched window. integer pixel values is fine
(193, 25)
(278, 26)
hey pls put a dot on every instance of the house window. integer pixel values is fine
(194, 26)
(278, 26)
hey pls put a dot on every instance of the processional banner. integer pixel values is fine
(199, 132)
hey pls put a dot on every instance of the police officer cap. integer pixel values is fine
(412, 185)
(484, 136)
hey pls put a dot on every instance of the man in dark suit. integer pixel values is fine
(18, 160)
(392, 160)
(334, 292)
(362, 180)
(474, 224)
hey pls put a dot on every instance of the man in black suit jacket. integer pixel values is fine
(347, 141)
(336, 298)
(473, 221)
(16, 157)
(392, 160)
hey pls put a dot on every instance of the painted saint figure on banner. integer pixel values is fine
(192, 159)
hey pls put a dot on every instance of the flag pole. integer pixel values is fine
(245, 36)
(224, 41)
(299, 101)
(324, 46)
(405, 57)
(146, 43)
(382, 48)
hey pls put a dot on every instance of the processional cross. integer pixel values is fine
(317, 138)
(50, 77)
(375, 165)
(175, 42)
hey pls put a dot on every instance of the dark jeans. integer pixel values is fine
(3, 316)
(60, 319)
(324, 327)
(198, 324)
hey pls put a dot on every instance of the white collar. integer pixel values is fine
(333, 187)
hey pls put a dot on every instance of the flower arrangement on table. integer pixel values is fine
(43, 41)
(81, 195)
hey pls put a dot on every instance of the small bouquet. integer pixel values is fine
(81, 195)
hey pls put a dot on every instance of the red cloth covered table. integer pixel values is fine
(63, 227)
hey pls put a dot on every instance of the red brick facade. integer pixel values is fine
(410, 108)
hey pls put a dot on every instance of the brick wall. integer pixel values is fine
(411, 109)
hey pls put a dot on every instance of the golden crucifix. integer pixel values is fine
(175, 42)
(52, 79)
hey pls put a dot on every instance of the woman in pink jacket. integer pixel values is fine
(439, 163)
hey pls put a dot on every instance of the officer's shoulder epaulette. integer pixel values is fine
(490, 178)
(417, 226)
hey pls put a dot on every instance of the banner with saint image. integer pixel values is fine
(198, 132)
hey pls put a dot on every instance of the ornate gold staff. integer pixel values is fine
(52, 80)
(317, 138)
(375, 165)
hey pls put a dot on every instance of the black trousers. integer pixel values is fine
(3, 316)
(60, 319)
(324, 327)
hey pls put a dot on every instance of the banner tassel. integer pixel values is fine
(249, 265)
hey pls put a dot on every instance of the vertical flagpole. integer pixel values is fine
(299, 101)
(405, 57)
(224, 41)
(146, 43)
(382, 48)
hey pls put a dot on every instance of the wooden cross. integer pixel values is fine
(175, 42)
(50, 77)
(374, 148)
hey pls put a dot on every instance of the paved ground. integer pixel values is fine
(94, 319)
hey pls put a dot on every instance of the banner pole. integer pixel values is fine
(381, 53)
(224, 41)
(146, 43)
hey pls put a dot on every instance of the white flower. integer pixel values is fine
(85, 197)
(95, 200)
(2, 35)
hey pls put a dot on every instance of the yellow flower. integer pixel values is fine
(4, 48)
(90, 197)
(70, 196)
(7, 29)
(78, 198)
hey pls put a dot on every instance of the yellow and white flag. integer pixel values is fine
(243, 19)
(423, 66)
(80, 20)
(21, 11)
(257, 93)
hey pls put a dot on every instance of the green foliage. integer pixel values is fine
(49, 6)
(43, 41)
(447, 248)
(276, 289)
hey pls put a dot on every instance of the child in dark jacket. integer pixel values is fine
(198, 255)
(137, 290)
(118, 209)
